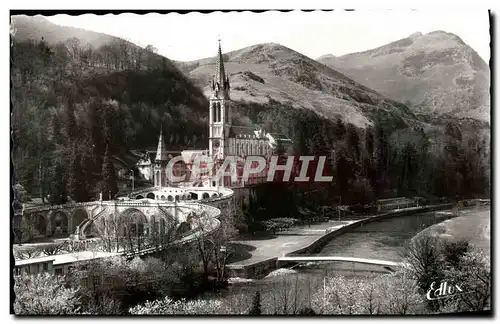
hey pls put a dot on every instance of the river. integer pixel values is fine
(382, 240)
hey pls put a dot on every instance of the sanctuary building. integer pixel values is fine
(225, 139)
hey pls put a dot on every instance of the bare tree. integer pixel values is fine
(73, 45)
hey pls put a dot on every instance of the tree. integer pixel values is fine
(395, 293)
(379, 179)
(473, 273)
(340, 129)
(44, 294)
(256, 307)
(353, 141)
(423, 257)
(58, 193)
(168, 306)
(87, 166)
(408, 170)
(205, 244)
(76, 178)
(70, 121)
(109, 185)
(369, 144)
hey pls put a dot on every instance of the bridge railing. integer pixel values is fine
(56, 207)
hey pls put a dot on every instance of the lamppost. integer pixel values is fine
(132, 179)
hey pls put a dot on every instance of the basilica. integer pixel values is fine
(225, 139)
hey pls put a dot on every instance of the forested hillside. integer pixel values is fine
(70, 102)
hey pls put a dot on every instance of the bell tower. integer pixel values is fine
(219, 111)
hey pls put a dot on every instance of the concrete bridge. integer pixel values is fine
(145, 215)
(322, 258)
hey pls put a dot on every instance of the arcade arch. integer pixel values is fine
(59, 224)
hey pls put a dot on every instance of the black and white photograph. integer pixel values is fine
(240, 163)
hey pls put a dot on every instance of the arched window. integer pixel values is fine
(157, 178)
(176, 197)
(214, 195)
(205, 195)
(170, 198)
(219, 117)
(214, 112)
(162, 197)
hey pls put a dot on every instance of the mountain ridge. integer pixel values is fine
(284, 75)
(435, 73)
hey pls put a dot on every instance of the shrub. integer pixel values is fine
(256, 307)
(44, 294)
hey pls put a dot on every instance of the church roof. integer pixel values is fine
(245, 132)
(161, 151)
(280, 137)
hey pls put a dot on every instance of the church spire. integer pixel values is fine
(220, 75)
(161, 151)
(220, 83)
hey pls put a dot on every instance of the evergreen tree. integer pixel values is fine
(339, 129)
(369, 142)
(58, 193)
(379, 179)
(353, 141)
(407, 167)
(109, 185)
(76, 178)
(343, 173)
(70, 121)
(88, 167)
(256, 307)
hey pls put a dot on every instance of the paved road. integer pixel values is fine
(286, 242)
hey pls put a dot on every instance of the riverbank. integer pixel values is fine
(266, 252)
(472, 225)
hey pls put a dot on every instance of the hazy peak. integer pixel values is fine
(416, 35)
(326, 57)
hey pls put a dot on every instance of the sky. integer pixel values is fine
(186, 37)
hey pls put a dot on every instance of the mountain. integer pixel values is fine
(270, 72)
(436, 73)
(36, 27)
(71, 100)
